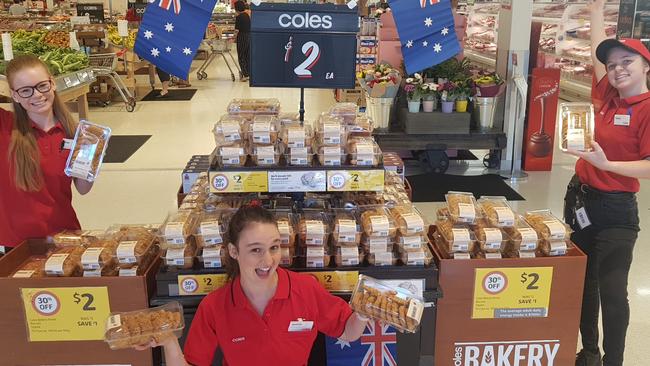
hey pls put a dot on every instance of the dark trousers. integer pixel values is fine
(608, 243)
(244, 52)
(163, 76)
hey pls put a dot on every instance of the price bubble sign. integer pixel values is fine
(232, 182)
(189, 285)
(66, 314)
(522, 292)
(355, 180)
(337, 281)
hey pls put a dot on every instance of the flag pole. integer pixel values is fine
(302, 105)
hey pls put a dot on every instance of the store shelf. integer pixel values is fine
(574, 91)
(480, 58)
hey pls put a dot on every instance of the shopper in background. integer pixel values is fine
(35, 194)
(243, 29)
(165, 79)
(264, 315)
(17, 8)
(605, 185)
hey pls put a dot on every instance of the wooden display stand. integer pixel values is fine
(125, 294)
(521, 292)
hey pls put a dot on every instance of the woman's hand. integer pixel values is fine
(154, 344)
(596, 157)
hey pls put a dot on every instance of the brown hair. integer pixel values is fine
(241, 220)
(23, 150)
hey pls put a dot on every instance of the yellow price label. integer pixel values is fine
(200, 284)
(338, 281)
(522, 292)
(230, 182)
(355, 180)
(66, 314)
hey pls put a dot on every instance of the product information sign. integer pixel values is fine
(200, 284)
(94, 11)
(66, 313)
(512, 292)
(303, 45)
(337, 281)
(231, 182)
(355, 180)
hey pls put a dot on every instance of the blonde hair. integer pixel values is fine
(24, 155)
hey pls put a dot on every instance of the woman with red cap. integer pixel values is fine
(600, 203)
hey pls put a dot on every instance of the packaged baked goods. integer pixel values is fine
(133, 252)
(316, 257)
(378, 222)
(34, 267)
(286, 222)
(553, 248)
(179, 257)
(65, 262)
(411, 241)
(263, 130)
(548, 226)
(289, 118)
(522, 236)
(463, 207)
(132, 232)
(234, 155)
(346, 231)
(497, 210)
(381, 259)
(362, 126)
(364, 151)
(178, 227)
(416, 257)
(68, 238)
(331, 155)
(455, 238)
(228, 130)
(99, 254)
(129, 329)
(313, 229)
(136, 270)
(378, 244)
(269, 106)
(330, 131)
(348, 256)
(87, 152)
(211, 228)
(389, 304)
(295, 135)
(490, 239)
(408, 220)
(299, 156)
(266, 155)
(347, 112)
(576, 126)
(213, 257)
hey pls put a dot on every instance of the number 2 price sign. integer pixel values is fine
(522, 292)
(304, 46)
(66, 314)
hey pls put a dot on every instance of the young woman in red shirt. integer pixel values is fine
(35, 194)
(265, 315)
(600, 203)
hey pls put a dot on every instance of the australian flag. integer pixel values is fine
(171, 32)
(376, 347)
(426, 30)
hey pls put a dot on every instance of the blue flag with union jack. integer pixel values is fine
(376, 347)
(171, 32)
(426, 30)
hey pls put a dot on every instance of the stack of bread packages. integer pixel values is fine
(411, 244)
(331, 138)
(287, 223)
(177, 243)
(454, 237)
(346, 239)
(313, 234)
(378, 239)
(554, 235)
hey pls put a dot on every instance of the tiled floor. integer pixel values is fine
(143, 189)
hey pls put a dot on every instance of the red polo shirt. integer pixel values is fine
(226, 319)
(26, 215)
(619, 142)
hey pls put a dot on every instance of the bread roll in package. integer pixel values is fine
(463, 207)
(87, 151)
(498, 211)
(576, 126)
(387, 303)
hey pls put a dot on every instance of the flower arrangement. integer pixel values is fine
(380, 81)
(463, 89)
(413, 87)
(487, 84)
(448, 91)
(430, 90)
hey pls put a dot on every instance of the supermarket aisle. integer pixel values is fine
(143, 189)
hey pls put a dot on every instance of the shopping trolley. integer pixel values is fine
(218, 47)
(104, 64)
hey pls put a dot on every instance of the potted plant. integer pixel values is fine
(487, 84)
(413, 92)
(462, 92)
(429, 96)
(448, 96)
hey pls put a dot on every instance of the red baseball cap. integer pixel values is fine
(630, 44)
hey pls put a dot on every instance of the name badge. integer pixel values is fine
(300, 325)
(66, 144)
(622, 120)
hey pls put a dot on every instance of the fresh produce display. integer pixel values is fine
(114, 37)
(51, 47)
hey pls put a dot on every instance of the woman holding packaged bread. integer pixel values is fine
(600, 202)
(264, 315)
(35, 194)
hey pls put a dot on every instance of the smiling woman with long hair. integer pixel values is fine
(35, 194)
(600, 202)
